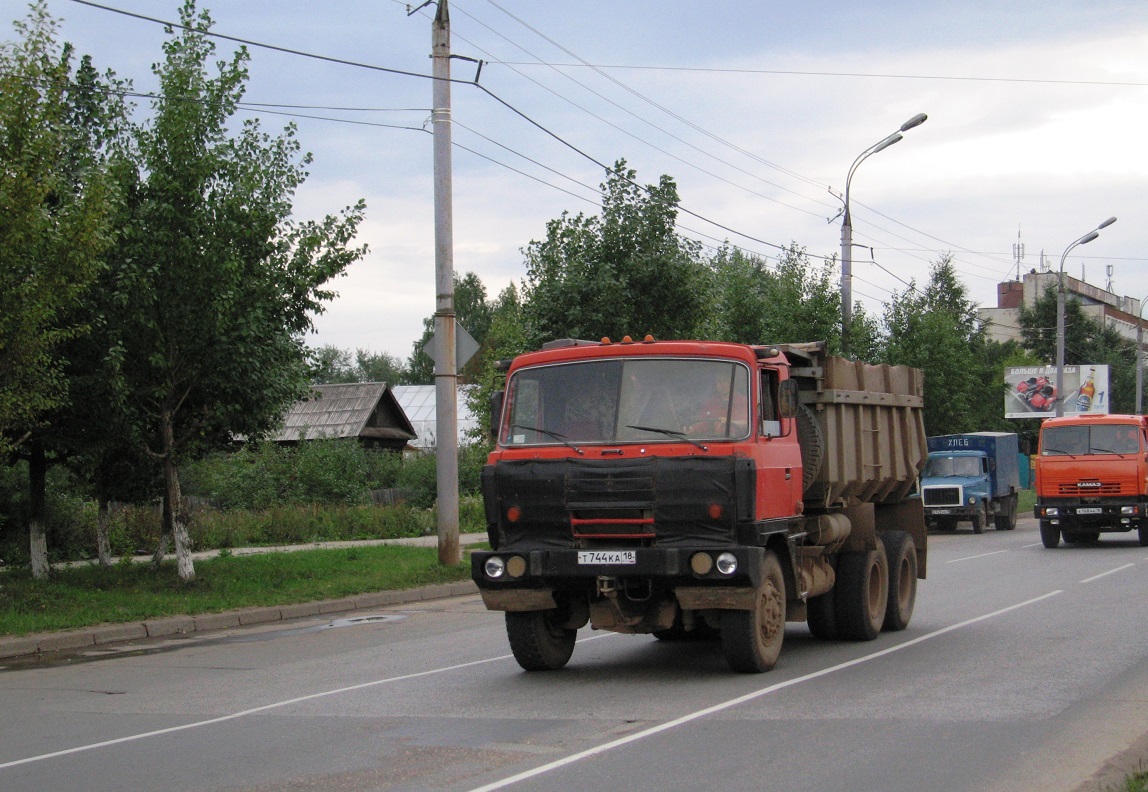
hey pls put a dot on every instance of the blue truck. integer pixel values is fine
(971, 477)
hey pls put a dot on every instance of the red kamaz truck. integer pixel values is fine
(1092, 478)
(690, 488)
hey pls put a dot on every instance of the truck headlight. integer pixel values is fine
(494, 567)
(1052, 511)
(972, 500)
(727, 563)
(1127, 509)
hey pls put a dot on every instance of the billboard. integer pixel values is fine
(1032, 393)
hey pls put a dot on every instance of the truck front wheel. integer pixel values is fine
(537, 640)
(1049, 534)
(1142, 534)
(902, 555)
(751, 639)
(981, 518)
(862, 593)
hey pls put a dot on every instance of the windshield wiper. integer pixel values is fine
(670, 432)
(1060, 451)
(561, 438)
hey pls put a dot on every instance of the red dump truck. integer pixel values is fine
(701, 489)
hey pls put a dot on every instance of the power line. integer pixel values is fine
(799, 73)
(491, 94)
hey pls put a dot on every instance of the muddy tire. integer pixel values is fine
(1049, 535)
(981, 518)
(1006, 520)
(536, 640)
(902, 556)
(821, 615)
(1142, 535)
(751, 639)
(862, 593)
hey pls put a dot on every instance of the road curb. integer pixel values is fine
(102, 634)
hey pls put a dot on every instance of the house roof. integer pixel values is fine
(360, 409)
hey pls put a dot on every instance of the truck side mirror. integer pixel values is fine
(496, 400)
(787, 399)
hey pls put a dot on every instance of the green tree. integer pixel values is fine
(507, 338)
(54, 224)
(625, 272)
(214, 281)
(333, 365)
(1086, 341)
(58, 128)
(471, 310)
(937, 329)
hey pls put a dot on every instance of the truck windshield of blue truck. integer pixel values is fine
(952, 466)
(1086, 440)
(645, 400)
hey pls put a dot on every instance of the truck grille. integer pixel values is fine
(1076, 490)
(941, 496)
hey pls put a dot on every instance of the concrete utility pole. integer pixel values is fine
(446, 368)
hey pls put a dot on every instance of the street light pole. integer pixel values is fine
(847, 228)
(1084, 240)
(1140, 360)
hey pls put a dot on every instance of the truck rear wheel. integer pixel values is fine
(537, 640)
(1006, 520)
(751, 639)
(821, 615)
(902, 555)
(862, 593)
(1049, 534)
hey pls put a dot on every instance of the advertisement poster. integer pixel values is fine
(1032, 391)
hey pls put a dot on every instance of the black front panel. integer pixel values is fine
(694, 501)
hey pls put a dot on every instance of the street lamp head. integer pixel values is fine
(1086, 239)
(1106, 223)
(917, 120)
(896, 137)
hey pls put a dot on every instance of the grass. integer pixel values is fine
(130, 592)
(1136, 782)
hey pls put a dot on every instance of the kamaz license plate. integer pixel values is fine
(1089, 510)
(607, 557)
(942, 511)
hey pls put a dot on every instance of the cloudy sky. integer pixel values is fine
(1038, 119)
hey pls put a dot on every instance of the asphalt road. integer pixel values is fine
(1023, 669)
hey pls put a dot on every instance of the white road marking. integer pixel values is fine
(982, 555)
(264, 708)
(702, 713)
(1109, 572)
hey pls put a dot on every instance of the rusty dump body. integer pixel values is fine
(688, 486)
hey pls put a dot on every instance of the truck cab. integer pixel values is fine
(955, 487)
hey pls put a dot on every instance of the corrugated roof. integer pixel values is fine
(357, 409)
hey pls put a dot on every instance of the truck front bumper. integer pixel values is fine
(1095, 517)
(516, 573)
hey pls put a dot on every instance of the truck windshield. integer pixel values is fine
(1090, 440)
(644, 400)
(946, 466)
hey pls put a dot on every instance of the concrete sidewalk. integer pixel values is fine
(100, 634)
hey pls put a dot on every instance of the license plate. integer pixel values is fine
(1089, 510)
(942, 511)
(607, 557)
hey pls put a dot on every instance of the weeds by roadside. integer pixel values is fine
(127, 592)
